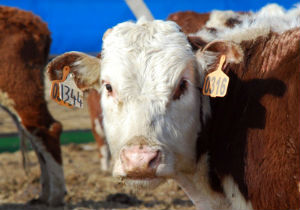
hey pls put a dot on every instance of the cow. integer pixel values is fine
(24, 47)
(240, 151)
(190, 22)
(93, 101)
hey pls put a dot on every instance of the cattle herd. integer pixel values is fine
(149, 111)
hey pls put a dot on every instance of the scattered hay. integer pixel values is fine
(88, 187)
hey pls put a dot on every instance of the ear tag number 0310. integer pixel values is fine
(64, 91)
(216, 83)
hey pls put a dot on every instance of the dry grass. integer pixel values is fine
(88, 187)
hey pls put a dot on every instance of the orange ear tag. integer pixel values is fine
(65, 92)
(216, 82)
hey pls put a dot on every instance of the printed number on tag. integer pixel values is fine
(215, 86)
(65, 92)
(55, 95)
(216, 83)
(70, 95)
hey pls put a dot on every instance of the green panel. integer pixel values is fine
(76, 137)
(11, 143)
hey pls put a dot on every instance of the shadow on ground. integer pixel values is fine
(113, 201)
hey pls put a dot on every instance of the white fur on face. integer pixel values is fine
(144, 62)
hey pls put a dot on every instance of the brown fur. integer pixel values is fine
(13, 20)
(231, 22)
(196, 42)
(274, 151)
(189, 21)
(95, 110)
(253, 134)
(24, 53)
(24, 48)
(55, 67)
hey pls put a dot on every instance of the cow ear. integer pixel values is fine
(196, 42)
(86, 69)
(210, 54)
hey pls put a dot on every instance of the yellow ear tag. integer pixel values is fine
(216, 83)
(65, 92)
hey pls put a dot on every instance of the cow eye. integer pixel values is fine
(183, 85)
(108, 88)
(181, 88)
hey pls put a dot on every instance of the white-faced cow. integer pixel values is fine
(24, 48)
(236, 152)
(189, 22)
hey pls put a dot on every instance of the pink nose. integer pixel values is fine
(140, 161)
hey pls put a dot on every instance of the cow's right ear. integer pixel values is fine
(86, 69)
(209, 56)
(196, 42)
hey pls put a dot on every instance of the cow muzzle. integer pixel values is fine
(140, 159)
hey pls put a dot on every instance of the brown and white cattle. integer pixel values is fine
(24, 48)
(93, 102)
(190, 22)
(236, 152)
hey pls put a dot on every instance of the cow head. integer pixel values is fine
(150, 98)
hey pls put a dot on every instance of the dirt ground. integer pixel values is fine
(88, 187)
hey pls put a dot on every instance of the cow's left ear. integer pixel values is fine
(86, 69)
(210, 54)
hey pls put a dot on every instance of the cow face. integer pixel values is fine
(150, 97)
(150, 101)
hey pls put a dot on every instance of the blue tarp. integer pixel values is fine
(79, 24)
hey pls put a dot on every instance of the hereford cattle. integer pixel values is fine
(190, 22)
(93, 101)
(240, 151)
(24, 48)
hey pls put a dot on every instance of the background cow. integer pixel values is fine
(93, 101)
(24, 48)
(236, 152)
(191, 22)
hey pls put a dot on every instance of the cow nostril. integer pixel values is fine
(155, 160)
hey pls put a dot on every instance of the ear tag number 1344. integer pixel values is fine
(69, 93)
(65, 91)
(216, 83)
